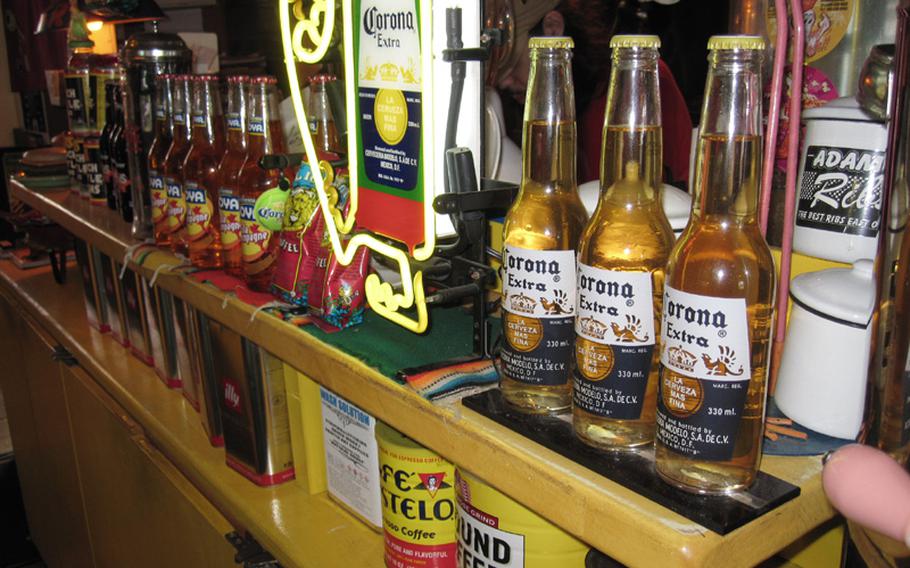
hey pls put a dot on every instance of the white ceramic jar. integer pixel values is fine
(822, 379)
(841, 173)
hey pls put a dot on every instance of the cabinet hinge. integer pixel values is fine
(249, 552)
(61, 355)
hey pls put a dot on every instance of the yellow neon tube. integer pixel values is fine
(381, 296)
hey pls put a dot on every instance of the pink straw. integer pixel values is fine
(777, 79)
(786, 248)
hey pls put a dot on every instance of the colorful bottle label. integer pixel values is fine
(233, 122)
(229, 211)
(158, 196)
(614, 343)
(179, 118)
(94, 179)
(254, 237)
(538, 296)
(176, 205)
(705, 373)
(198, 120)
(75, 95)
(256, 126)
(199, 211)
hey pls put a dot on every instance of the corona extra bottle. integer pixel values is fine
(540, 234)
(621, 260)
(201, 233)
(717, 309)
(164, 136)
(229, 168)
(261, 200)
(175, 217)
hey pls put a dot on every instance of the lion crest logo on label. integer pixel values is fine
(629, 333)
(722, 366)
(433, 482)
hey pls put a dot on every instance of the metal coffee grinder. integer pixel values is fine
(145, 56)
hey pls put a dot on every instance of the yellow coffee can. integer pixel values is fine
(496, 531)
(418, 503)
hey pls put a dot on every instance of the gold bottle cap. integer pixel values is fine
(551, 42)
(635, 41)
(726, 42)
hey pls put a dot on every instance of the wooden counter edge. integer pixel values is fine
(478, 444)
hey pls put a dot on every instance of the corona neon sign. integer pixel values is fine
(316, 26)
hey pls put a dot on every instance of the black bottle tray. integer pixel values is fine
(635, 470)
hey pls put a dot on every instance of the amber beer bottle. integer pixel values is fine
(231, 162)
(200, 234)
(261, 200)
(321, 121)
(173, 166)
(621, 260)
(540, 234)
(164, 128)
(717, 308)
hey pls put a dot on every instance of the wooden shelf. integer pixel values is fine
(297, 528)
(604, 514)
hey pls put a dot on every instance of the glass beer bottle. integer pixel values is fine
(164, 128)
(121, 158)
(175, 216)
(621, 260)
(321, 120)
(540, 234)
(229, 168)
(105, 147)
(261, 200)
(116, 132)
(717, 307)
(200, 234)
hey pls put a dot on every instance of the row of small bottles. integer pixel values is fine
(205, 177)
(97, 149)
(645, 340)
(200, 157)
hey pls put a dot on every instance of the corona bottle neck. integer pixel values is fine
(728, 166)
(549, 135)
(632, 137)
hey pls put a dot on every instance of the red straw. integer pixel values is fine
(786, 248)
(777, 79)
